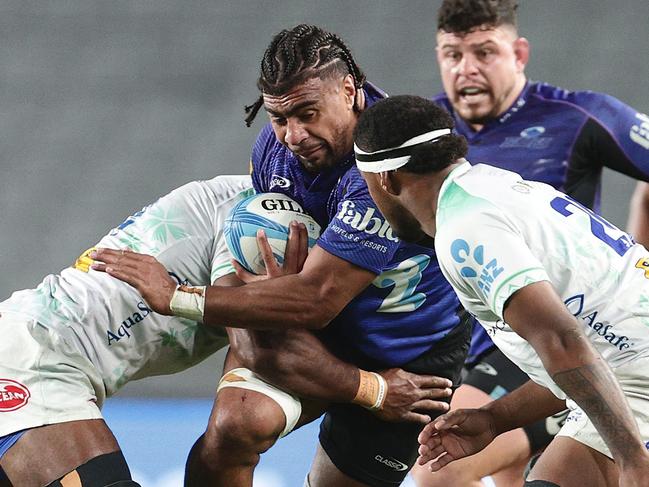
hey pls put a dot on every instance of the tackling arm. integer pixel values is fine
(309, 299)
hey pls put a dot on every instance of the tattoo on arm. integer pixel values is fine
(594, 388)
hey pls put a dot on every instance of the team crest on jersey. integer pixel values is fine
(13, 395)
(536, 131)
(475, 265)
(279, 181)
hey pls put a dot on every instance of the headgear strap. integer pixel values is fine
(394, 157)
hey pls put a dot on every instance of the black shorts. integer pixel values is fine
(496, 375)
(380, 453)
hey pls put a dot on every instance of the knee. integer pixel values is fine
(251, 422)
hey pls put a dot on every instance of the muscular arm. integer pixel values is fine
(638, 223)
(293, 360)
(308, 299)
(537, 314)
(296, 361)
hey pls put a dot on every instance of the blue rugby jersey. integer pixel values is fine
(409, 306)
(561, 138)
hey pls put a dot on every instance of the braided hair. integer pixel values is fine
(295, 55)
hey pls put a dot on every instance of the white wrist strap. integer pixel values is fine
(383, 391)
(188, 302)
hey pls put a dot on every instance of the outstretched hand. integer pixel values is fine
(455, 435)
(297, 249)
(410, 396)
(141, 271)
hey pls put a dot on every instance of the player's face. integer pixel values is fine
(482, 71)
(404, 224)
(315, 120)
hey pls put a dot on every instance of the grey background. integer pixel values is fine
(106, 105)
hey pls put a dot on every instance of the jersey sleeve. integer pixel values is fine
(259, 158)
(615, 136)
(220, 264)
(358, 232)
(485, 258)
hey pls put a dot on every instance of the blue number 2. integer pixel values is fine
(598, 225)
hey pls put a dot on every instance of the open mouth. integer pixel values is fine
(471, 92)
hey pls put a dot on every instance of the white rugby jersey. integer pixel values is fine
(107, 320)
(497, 233)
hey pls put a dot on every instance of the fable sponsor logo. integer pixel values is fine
(366, 222)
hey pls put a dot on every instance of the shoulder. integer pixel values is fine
(265, 145)
(592, 103)
(209, 192)
(475, 197)
(373, 93)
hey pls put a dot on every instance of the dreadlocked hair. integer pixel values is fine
(293, 56)
(461, 16)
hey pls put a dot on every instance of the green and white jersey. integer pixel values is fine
(106, 320)
(497, 233)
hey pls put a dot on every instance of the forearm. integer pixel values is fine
(588, 380)
(287, 302)
(298, 362)
(595, 389)
(524, 405)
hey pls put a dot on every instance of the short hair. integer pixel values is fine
(461, 16)
(298, 54)
(390, 122)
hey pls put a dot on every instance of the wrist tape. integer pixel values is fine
(188, 302)
(372, 391)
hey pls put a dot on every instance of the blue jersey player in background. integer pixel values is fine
(380, 303)
(546, 134)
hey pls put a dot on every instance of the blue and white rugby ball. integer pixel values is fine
(272, 212)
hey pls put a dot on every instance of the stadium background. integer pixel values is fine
(106, 105)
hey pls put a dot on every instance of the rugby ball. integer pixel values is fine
(272, 212)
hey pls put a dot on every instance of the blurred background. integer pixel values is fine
(107, 105)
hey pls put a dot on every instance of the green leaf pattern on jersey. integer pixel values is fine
(162, 223)
(181, 342)
(154, 230)
(119, 376)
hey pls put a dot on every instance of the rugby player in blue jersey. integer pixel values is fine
(377, 302)
(545, 134)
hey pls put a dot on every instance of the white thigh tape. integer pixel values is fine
(246, 379)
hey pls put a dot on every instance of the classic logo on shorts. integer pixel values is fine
(392, 463)
(13, 395)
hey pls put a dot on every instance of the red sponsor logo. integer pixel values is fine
(13, 395)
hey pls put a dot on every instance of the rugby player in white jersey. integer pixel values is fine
(563, 293)
(81, 335)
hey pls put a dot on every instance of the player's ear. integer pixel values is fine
(522, 53)
(389, 182)
(349, 89)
